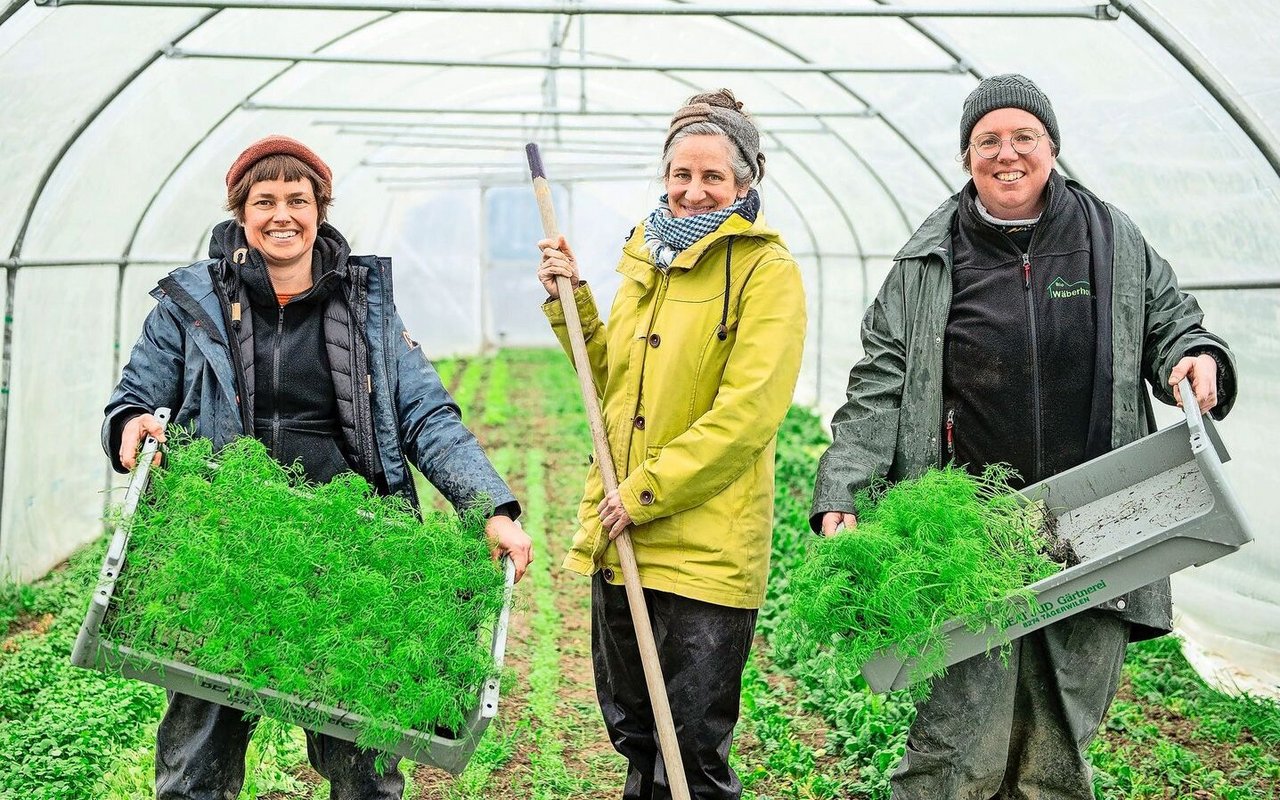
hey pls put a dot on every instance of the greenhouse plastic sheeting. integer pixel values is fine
(122, 120)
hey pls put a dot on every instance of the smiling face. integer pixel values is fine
(700, 177)
(1011, 185)
(280, 221)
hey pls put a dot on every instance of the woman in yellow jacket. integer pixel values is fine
(695, 366)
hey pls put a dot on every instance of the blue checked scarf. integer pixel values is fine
(666, 236)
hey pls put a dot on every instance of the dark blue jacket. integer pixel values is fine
(182, 360)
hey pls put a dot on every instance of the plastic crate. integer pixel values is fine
(448, 750)
(1135, 515)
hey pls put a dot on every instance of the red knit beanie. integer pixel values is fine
(272, 146)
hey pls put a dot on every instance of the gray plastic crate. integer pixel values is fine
(1135, 515)
(94, 652)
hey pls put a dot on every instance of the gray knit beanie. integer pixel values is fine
(1007, 91)
(724, 110)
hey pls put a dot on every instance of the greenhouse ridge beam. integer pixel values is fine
(423, 127)
(1207, 75)
(252, 105)
(1096, 11)
(495, 164)
(513, 146)
(515, 175)
(954, 68)
(446, 142)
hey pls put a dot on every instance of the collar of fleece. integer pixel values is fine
(243, 265)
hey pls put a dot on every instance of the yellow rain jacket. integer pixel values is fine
(692, 419)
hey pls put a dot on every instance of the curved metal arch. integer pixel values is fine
(9, 8)
(11, 276)
(940, 41)
(858, 97)
(1200, 68)
(180, 163)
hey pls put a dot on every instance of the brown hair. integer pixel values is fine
(279, 167)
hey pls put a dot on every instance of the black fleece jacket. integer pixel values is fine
(1022, 353)
(289, 388)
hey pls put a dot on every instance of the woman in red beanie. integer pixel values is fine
(282, 334)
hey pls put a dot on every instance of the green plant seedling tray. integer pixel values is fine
(448, 750)
(1135, 515)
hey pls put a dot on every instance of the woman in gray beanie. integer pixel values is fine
(697, 363)
(1021, 323)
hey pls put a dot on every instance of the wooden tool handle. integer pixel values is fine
(604, 461)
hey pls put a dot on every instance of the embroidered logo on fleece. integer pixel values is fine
(1060, 288)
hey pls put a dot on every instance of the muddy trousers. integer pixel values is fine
(200, 750)
(1017, 733)
(703, 649)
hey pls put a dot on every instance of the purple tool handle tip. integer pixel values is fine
(535, 160)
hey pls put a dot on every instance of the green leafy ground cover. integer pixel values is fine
(59, 725)
(329, 593)
(946, 545)
(808, 730)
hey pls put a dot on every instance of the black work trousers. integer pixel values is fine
(200, 749)
(703, 649)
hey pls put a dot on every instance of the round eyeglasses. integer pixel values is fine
(1024, 142)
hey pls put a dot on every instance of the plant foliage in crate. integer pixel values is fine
(947, 545)
(329, 593)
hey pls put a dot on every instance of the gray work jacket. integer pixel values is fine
(890, 424)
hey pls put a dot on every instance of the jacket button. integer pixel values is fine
(640, 422)
(654, 340)
(646, 498)
(608, 574)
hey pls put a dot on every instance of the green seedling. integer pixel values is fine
(330, 593)
(947, 545)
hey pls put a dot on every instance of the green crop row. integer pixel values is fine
(469, 385)
(446, 368)
(497, 402)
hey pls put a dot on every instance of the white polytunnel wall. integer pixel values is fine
(122, 117)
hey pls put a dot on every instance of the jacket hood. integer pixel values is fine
(242, 263)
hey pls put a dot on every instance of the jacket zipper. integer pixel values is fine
(389, 370)
(1037, 445)
(951, 433)
(361, 407)
(275, 384)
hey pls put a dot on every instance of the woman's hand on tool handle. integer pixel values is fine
(507, 537)
(131, 438)
(613, 515)
(557, 259)
(1202, 371)
(833, 520)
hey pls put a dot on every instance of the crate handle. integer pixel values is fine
(1195, 419)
